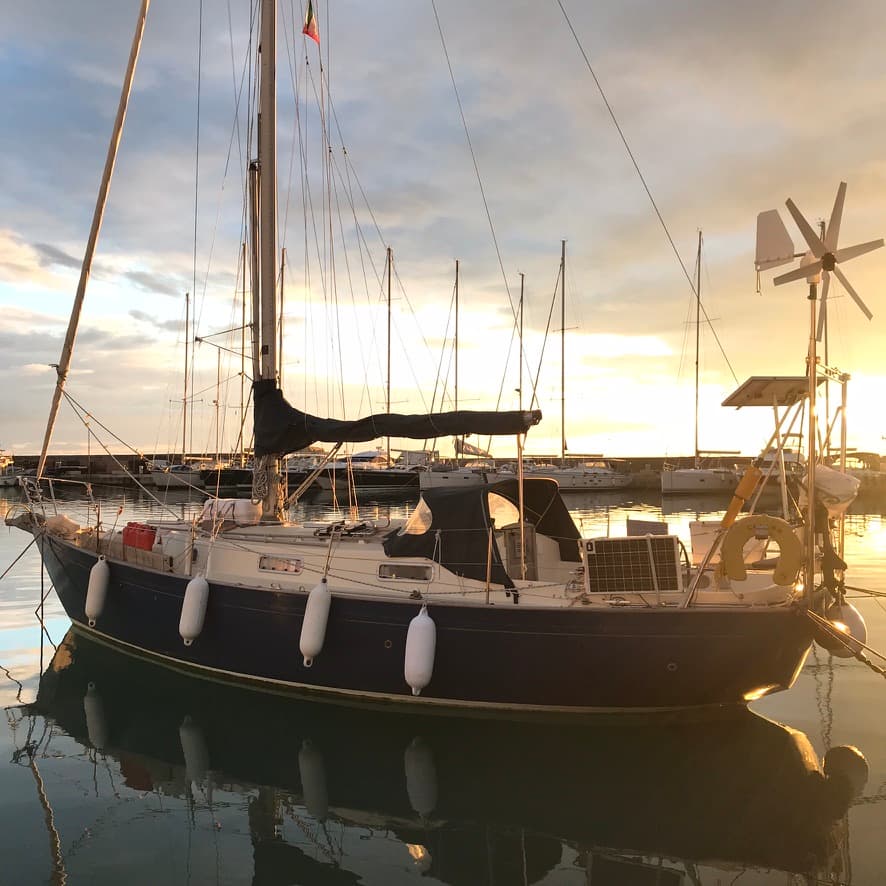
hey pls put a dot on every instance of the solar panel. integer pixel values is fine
(625, 565)
(763, 390)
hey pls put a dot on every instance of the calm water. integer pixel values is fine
(119, 772)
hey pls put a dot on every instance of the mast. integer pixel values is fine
(217, 408)
(185, 392)
(697, 338)
(455, 344)
(243, 360)
(64, 363)
(267, 163)
(562, 354)
(521, 505)
(388, 396)
(267, 481)
(280, 324)
(255, 256)
(459, 450)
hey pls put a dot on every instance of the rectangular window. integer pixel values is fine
(281, 564)
(405, 571)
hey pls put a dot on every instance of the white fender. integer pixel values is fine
(847, 763)
(195, 751)
(96, 722)
(846, 619)
(312, 772)
(421, 643)
(790, 557)
(193, 609)
(97, 590)
(313, 626)
(421, 777)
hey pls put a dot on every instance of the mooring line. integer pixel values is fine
(18, 695)
(851, 643)
(9, 568)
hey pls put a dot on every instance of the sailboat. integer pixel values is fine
(697, 479)
(580, 473)
(485, 599)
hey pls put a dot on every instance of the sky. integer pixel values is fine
(728, 110)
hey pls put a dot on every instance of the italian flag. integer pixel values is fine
(310, 27)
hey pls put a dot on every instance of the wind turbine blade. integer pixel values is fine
(806, 230)
(774, 244)
(855, 251)
(855, 296)
(823, 310)
(833, 231)
(800, 273)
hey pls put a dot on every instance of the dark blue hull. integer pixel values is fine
(489, 657)
(735, 787)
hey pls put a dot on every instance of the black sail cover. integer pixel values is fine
(281, 428)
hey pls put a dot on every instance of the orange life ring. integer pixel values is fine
(789, 546)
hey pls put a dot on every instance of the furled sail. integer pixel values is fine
(281, 428)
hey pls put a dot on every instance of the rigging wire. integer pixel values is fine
(197, 168)
(473, 157)
(640, 175)
(485, 202)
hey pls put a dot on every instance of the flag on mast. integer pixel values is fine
(310, 27)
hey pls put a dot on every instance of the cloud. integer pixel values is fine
(168, 325)
(155, 283)
(50, 256)
(721, 120)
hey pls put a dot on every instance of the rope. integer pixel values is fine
(464, 123)
(18, 695)
(261, 483)
(77, 410)
(643, 180)
(24, 551)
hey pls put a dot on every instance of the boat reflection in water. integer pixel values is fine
(466, 800)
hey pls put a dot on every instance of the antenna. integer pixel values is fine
(822, 258)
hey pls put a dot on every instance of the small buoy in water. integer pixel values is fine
(846, 619)
(96, 723)
(313, 627)
(195, 751)
(97, 589)
(421, 643)
(847, 762)
(193, 609)
(312, 771)
(421, 777)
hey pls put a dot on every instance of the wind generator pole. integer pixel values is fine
(64, 363)
(562, 354)
(267, 165)
(809, 578)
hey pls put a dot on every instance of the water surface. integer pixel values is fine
(120, 772)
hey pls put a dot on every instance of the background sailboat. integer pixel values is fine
(698, 479)
(574, 473)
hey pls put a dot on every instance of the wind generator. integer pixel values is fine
(775, 248)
